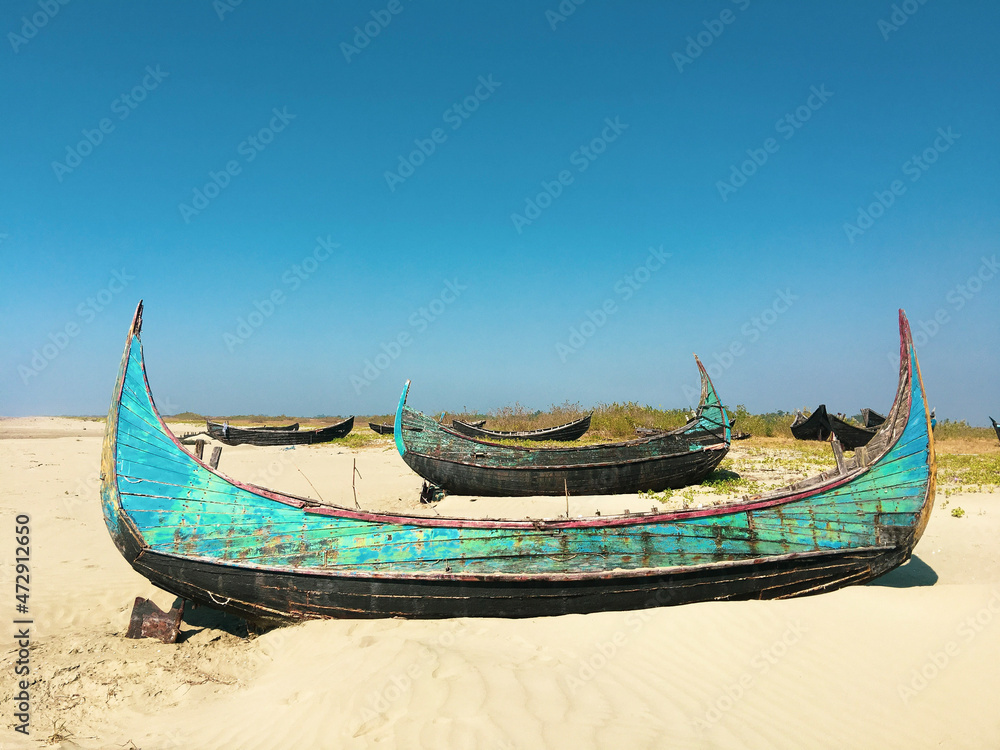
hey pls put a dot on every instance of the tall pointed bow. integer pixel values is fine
(110, 500)
(710, 409)
(920, 418)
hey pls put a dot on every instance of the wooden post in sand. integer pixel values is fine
(199, 449)
(216, 454)
(838, 454)
(353, 488)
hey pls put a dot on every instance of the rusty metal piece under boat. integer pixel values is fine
(149, 621)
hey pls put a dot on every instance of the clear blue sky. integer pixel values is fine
(634, 116)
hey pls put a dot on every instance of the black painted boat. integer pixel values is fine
(273, 557)
(467, 466)
(814, 427)
(996, 427)
(871, 418)
(564, 432)
(850, 436)
(230, 435)
(647, 431)
(218, 429)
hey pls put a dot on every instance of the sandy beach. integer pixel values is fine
(910, 660)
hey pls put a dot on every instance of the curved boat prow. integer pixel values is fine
(398, 431)
(710, 401)
(110, 501)
(909, 372)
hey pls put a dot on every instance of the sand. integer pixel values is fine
(911, 660)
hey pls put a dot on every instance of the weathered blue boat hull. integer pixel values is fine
(465, 465)
(273, 557)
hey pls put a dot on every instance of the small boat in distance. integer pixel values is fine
(272, 557)
(230, 435)
(469, 466)
(871, 418)
(821, 424)
(814, 427)
(996, 427)
(218, 428)
(569, 431)
(851, 436)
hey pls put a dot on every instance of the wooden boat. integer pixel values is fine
(466, 466)
(230, 435)
(996, 427)
(871, 418)
(569, 431)
(734, 435)
(273, 557)
(381, 428)
(850, 436)
(814, 427)
(217, 430)
(821, 424)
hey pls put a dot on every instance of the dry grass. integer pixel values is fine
(982, 445)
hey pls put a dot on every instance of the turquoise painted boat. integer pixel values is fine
(273, 557)
(462, 464)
